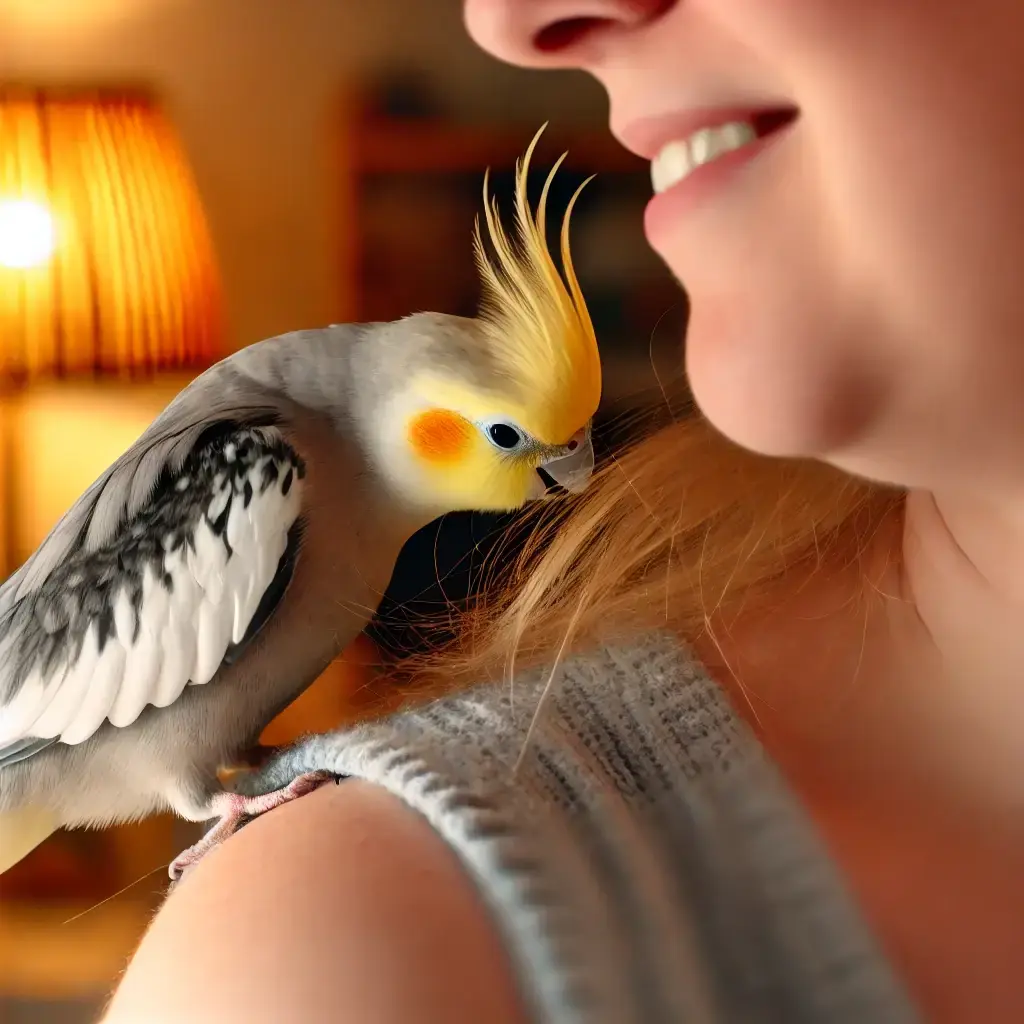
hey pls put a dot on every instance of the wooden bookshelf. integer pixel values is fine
(439, 162)
(391, 147)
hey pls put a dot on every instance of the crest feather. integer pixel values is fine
(536, 321)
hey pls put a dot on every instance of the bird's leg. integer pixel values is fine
(233, 808)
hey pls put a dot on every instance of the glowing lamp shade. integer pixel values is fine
(106, 262)
(27, 236)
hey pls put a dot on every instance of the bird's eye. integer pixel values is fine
(504, 436)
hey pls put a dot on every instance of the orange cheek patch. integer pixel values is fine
(441, 436)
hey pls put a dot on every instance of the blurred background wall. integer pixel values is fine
(336, 145)
(253, 87)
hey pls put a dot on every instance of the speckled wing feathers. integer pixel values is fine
(133, 620)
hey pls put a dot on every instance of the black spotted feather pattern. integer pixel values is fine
(177, 589)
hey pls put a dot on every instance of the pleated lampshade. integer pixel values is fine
(106, 262)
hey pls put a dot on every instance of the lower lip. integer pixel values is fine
(666, 208)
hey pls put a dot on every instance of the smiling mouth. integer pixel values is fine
(679, 158)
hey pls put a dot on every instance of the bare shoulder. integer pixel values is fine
(344, 905)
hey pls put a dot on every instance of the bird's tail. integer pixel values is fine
(21, 831)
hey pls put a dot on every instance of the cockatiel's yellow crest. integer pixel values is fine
(489, 429)
(537, 322)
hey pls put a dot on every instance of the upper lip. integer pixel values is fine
(647, 136)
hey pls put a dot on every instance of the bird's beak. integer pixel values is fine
(574, 469)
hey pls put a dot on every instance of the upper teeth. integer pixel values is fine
(679, 158)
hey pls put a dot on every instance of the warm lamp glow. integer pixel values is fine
(106, 263)
(27, 234)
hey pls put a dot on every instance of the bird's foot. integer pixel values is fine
(233, 809)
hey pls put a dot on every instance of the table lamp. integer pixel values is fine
(106, 261)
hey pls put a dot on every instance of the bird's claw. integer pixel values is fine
(233, 809)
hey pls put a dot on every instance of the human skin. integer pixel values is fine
(855, 298)
(342, 906)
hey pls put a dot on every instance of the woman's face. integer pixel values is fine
(857, 274)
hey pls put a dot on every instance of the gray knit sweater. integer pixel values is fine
(646, 863)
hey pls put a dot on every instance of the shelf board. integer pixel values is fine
(445, 148)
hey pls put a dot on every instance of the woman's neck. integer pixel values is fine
(891, 695)
(905, 669)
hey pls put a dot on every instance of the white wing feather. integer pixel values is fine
(144, 662)
(60, 711)
(182, 634)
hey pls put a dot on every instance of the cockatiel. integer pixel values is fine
(219, 565)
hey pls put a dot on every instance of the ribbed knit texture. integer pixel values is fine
(646, 863)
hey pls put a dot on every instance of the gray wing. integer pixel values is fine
(301, 370)
(221, 394)
(106, 620)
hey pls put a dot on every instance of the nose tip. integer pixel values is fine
(553, 33)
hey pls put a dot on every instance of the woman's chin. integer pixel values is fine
(794, 411)
(771, 436)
